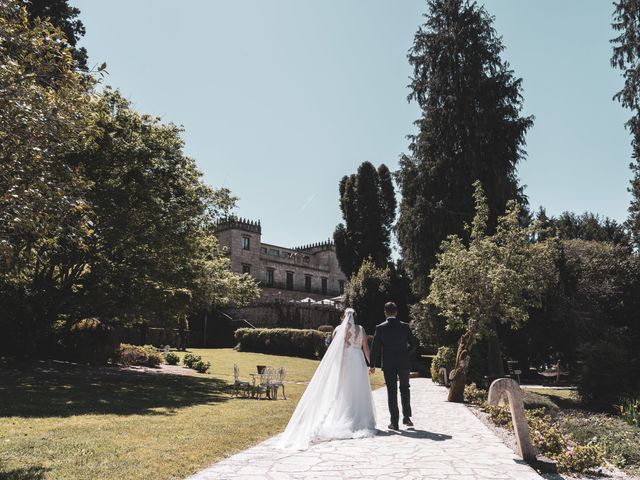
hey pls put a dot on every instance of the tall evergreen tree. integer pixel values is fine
(470, 129)
(367, 201)
(626, 57)
(63, 16)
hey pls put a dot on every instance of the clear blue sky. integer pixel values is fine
(282, 98)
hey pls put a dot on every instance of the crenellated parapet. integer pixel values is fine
(237, 223)
(316, 247)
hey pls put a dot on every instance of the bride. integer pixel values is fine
(337, 403)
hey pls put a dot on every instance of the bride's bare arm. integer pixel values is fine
(365, 346)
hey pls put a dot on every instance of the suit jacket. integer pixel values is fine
(397, 343)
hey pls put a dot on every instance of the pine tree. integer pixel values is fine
(367, 202)
(470, 129)
(626, 57)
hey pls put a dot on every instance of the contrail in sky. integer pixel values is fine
(307, 203)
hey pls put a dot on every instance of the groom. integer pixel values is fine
(398, 344)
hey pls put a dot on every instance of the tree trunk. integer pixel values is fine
(459, 374)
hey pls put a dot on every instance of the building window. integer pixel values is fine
(274, 253)
(263, 250)
(307, 283)
(324, 286)
(289, 280)
(341, 285)
(246, 268)
(306, 259)
(246, 243)
(270, 273)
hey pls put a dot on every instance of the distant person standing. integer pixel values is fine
(397, 343)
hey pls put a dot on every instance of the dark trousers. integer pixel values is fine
(391, 376)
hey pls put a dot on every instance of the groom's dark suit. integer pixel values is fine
(398, 344)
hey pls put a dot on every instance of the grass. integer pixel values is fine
(564, 398)
(61, 421)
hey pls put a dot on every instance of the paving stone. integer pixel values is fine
(447, 443)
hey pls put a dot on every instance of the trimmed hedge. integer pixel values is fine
(282, 341)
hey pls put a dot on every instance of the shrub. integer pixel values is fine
(475, 395)
(604, 375)
(325, 328)
(630, 411)
(282, 341)
(533, 400)
(190, 359)
(446, 357)
(90, 341)
(201, 367)
(171, 358)
(580, 458)
(145, 356)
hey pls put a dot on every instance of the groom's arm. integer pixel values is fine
(375, 349)
(413, 343)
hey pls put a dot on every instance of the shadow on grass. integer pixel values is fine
(46, 389)
(26, 473)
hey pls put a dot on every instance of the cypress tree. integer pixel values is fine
(470, 129)
(626, 57)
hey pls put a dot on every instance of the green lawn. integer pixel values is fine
(59, 421)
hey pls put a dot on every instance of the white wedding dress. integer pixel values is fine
(337, 403)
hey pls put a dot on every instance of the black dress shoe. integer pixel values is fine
(407, 421)
(393, 426)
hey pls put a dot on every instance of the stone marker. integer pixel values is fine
(445, 374)
(510, 388)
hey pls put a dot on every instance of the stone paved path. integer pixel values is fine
(448, 442)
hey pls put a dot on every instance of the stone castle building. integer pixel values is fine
(283, 273)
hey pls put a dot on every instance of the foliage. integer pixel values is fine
(496, 279)
(551, 441)
(368, 205)
(157, 257)
(45, 224)
(620, 442)
(64, 17)
(606, 373)
(445, 357)
(190, 360)
(629, 410)
(171, 358)
(429, 327)
(326, 328)
(626, 57)
(101, 213)
(470, 129)
(282, 341)
(569, 226)
(367, 292)
(475, 395)
(145, 356)
(201, 367)
(90, 341)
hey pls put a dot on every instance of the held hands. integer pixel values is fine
(372, 370)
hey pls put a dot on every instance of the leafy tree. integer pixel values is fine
(63, 16)
(156, 258)
(367, 292)
(368, 204)
(588, 226)
(101, 213)
(470, 129)
(626, 57)
(46, 112)
(496, 279)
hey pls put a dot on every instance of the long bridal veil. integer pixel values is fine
(320, 396)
